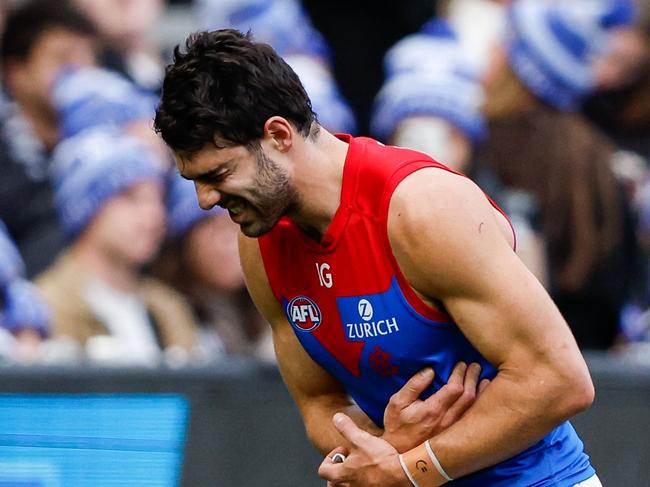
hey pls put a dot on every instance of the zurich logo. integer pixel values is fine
(304, 313)
(365, 310)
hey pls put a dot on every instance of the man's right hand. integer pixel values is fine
(409, 421)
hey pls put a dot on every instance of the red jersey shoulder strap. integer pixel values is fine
(271, 245)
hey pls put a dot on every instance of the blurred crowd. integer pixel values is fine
(106, 257)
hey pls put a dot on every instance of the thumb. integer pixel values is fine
(349, 430)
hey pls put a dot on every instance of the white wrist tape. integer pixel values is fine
(406, 471)
(435, 461)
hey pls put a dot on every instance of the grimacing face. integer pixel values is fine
(255, 189)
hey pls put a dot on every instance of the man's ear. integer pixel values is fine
(279, 132)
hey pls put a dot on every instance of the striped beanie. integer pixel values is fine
(551, 45)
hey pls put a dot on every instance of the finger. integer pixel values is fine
(482, 386)
(339, 450)
(349, 430)
(332, 472)
(458, 374)
(450, 392)
(411, 391)
(471, 376)
(466, 399)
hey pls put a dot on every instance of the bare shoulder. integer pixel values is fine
(449, 243)
(436, 192)
(256, 280)
(442, 225)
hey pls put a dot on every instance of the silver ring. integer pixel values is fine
(338, 458)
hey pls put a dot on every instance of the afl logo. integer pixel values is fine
(365, 310)
(304, 313)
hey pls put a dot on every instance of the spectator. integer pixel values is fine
(432, 98)
(109, 194)
(627, 51)
(40, 36)
(537, 144)
(622, 106)
(635, 319)
(202, 261)
(359, 33)
(23, 313)
(90, 96)
(128, 44)
(432, 103)
(285, 25)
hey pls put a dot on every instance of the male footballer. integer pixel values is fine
(374, 265)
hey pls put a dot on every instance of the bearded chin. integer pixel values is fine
(267, 219)
(274, 197)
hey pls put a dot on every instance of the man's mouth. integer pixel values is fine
(236, 209)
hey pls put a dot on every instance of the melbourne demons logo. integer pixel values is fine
(304, 313)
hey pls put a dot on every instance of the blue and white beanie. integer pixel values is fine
(283, 24)
(183, 210)
(12, 265)
(429, 74)
(92, 167)
(23, 306)
(90, 96)
(328, 103)
(552, 45)
(436, 47)
(451, 97)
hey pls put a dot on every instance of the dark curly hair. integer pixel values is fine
(223, 88)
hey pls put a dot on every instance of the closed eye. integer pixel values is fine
(216, 176)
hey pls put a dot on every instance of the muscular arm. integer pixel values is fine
(451, 246)
(317, 394)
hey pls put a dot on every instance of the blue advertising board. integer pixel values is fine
(60, 440)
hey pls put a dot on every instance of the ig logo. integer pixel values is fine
(365, 310)
(324, 276)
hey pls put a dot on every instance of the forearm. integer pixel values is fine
(320, 428)
(514, 412)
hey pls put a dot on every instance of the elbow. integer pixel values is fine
(582, 395)
(575, 394)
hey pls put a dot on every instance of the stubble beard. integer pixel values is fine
(274, 196)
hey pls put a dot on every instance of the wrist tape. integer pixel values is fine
(422, 467)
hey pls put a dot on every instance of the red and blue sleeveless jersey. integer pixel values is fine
(356, 315)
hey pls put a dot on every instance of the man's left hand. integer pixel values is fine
(370, 461)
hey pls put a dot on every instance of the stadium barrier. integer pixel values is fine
(233, 425)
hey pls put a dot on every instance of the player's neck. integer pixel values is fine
(319, 182)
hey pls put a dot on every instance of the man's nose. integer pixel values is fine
(208, 196)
